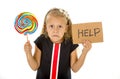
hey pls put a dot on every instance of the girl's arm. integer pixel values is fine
(33, 61)
(76, 63)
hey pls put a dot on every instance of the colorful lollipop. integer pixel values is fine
(26, 23)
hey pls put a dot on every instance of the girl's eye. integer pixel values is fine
(60, 26)
(51, 26)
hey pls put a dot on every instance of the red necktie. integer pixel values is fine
(55, 61)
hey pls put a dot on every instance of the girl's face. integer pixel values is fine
(56, 27)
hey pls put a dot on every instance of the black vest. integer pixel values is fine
(46, 46)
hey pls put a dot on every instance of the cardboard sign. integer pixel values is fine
(87, 31)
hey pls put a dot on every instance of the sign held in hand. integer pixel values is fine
(87, 31)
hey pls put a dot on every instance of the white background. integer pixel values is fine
(103, 60)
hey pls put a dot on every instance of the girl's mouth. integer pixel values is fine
(55, 36)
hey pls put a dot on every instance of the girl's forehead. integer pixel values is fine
(50, 18)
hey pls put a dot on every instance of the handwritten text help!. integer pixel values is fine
(87, 31)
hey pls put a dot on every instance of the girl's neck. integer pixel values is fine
(60, 41)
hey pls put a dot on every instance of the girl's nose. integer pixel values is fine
(55, 29)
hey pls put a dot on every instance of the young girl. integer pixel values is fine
(55, 54)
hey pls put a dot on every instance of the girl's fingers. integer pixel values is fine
(27, 43)
(27, 46)
(87, 44)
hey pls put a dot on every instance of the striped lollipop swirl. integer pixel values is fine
(26, 23)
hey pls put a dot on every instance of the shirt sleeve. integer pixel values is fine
(73, 46)
(38, 41)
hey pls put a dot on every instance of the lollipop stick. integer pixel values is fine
(27, 37)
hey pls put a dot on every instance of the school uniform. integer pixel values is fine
(46, 47)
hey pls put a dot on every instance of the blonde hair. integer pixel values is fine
(60, 13)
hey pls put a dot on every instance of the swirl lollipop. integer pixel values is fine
(26, 23)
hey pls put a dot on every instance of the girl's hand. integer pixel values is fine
(86, 46)
(27, 47)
